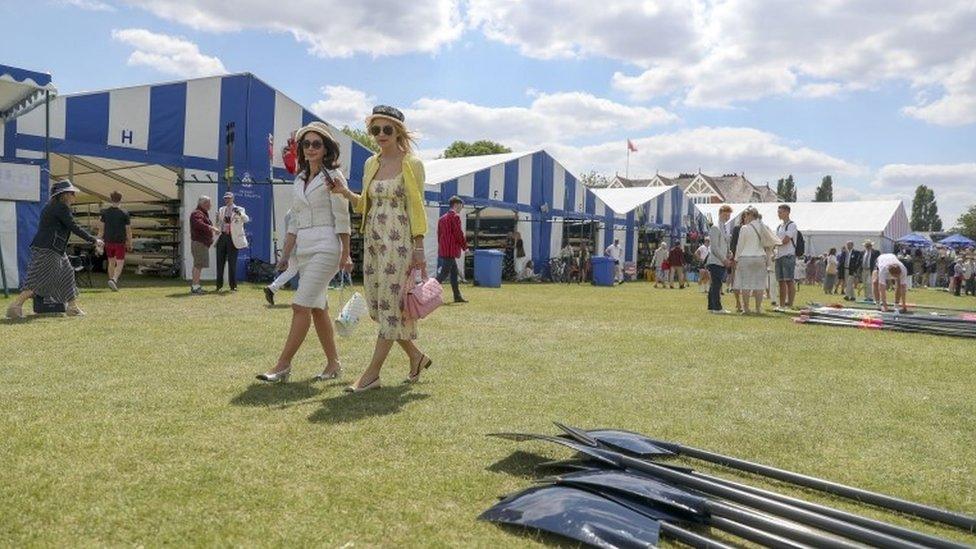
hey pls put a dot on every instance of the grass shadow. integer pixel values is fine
(278, 306)
(269, 394)
(520, 464)
(355, 406)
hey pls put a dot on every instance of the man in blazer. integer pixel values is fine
(451, 243)
(869, 261)
(719, 258)
(230, 221)
(848, 266)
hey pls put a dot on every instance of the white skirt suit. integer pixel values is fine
(318, 217)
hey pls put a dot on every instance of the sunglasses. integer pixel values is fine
(375, 130)
(315, 145)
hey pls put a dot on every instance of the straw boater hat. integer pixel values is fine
(387, 112)
(869, 243)
(63, 186)
(318, 127)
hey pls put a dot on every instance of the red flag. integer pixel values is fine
(630, 146)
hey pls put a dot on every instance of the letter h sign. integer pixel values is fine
(127, 136)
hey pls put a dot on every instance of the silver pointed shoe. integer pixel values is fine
(275, 377)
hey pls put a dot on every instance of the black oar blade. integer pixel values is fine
(634, 444)
(569, 466)
(639, 488)
(577, 434)
(577, 515)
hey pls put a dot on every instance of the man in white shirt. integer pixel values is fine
(890, 271)
(616, 253)
(786, 256)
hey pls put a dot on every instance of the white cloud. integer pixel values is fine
(549, 117)
(762, 156)
(954, 185)
(719, 53)
(343, 106)
(168, 54)
(329, 28)
(90, 5)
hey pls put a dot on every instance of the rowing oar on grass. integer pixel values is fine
(636, 441)
(810, 537)
(951, 518)
(648, 496)
(888, 321)
(593, 518)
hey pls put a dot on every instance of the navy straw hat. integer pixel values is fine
(385, 111)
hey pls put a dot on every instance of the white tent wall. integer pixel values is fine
(828, 225)
(430, 239)
(191, 194)
(556, 236)
(524, 228)
(8, 241)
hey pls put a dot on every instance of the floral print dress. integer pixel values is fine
(386, 262)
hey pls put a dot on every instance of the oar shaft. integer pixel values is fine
(779, 528)
(754, 535)
(809, 518)
(881, 500)
(691, 538)
(884, 527)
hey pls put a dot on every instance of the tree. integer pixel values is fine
(361, 137)
(593, 179)
(786, 189)
(925, 211)
(478, 148)
(966, 224)
(825, 192)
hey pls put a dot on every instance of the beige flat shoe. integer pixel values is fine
(375, 384)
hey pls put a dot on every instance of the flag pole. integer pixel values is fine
(627, 170)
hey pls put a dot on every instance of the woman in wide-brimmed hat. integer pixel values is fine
(318, 232)
(394, 224)
(50, 273)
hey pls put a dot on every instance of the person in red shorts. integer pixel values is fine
(116, 231)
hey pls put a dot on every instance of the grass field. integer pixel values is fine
(142, 423)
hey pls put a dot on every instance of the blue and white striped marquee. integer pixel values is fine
(182, 126)
(539, 189)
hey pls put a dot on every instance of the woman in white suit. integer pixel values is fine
(318, 232)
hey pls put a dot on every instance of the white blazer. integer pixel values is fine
(317, 216)
(237, 221)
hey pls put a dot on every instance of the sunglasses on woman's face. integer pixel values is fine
(316, 145)
(375, 130)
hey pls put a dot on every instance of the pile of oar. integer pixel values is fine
(958, 325)
(614, 494)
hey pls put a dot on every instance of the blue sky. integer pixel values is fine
(882, 96)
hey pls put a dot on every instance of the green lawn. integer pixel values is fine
(142, 423)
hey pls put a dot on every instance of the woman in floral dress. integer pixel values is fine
(394, 224)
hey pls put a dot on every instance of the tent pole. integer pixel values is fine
(47, 126)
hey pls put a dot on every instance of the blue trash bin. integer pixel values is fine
(488, 268)
(603, 268)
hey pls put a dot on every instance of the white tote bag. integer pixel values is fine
(351, 312)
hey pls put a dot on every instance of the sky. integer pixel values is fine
(879, 94)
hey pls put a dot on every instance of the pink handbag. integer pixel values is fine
(422, 299)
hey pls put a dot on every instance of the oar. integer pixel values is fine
(626, 488)
(835, 526)
(881, 500)
(627, 438)
(591, 518)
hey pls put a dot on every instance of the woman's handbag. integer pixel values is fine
(352, 311)
(423, 298)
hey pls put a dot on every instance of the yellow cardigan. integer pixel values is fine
(413, 180)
